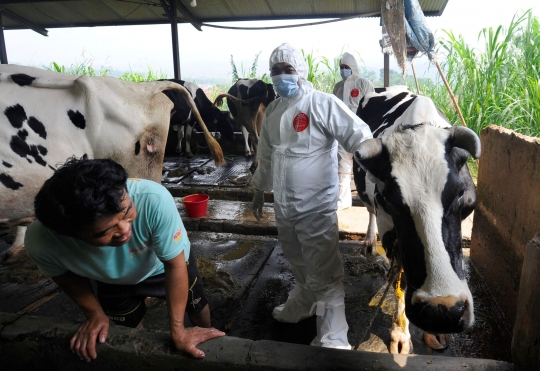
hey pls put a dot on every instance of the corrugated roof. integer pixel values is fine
(42, 14)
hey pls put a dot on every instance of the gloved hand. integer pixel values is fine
(257, 203)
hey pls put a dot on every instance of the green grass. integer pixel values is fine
(499, 85)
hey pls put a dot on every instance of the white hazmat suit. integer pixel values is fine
(298, 160)
(350, 91)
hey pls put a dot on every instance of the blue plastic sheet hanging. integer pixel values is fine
(418, 34)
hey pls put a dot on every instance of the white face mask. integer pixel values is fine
(345, 73)
(286, 85)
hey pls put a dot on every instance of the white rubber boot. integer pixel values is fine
(332, 325)
(299, 306)
(345, 196)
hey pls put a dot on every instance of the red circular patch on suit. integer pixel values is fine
(355, 92)
(300, 122)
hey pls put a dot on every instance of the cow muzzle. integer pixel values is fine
(440, 315)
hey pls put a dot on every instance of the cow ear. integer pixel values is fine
(373, 158)
(466, 139)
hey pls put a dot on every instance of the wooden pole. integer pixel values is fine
(415, 79)
(450, 92)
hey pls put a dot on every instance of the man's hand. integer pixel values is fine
(257, 203)
(187, 339)
(96, 327)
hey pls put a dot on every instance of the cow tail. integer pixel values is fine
(213, 145)
(218, 102)
(219, 99)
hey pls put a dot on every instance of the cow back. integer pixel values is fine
(52, 117)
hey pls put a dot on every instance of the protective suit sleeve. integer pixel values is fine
(366, 86)
(336, 89)
(347, 128)
(262, 179)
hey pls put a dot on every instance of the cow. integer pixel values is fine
(247, 100)
(184, 122)
(413, 176)
(48, 117)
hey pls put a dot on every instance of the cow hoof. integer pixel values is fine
(11, 255)
(368, 248)
(436, 342)
(248, 153)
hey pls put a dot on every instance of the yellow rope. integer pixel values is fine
(400, 294)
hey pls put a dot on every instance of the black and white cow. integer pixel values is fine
(183, 121)
(247, 100)
(419, 187)
(48, 117)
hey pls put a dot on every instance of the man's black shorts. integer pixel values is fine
(124, 304)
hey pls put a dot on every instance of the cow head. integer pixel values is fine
(424, 189)
(225, 124)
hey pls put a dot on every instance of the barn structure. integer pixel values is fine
(39, 15)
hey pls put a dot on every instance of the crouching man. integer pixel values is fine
(126, 234)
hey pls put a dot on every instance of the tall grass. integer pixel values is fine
(151, 75)
(251, 73)
(498, 85)
(83, 68)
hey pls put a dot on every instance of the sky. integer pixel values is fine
(208, 53)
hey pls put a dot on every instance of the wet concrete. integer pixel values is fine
(245, 276)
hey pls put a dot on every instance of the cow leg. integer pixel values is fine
(17, 246)
(180, 130)
(245, 134)
(189, 130)
(254, 142)
(400, 337)
(370, 240)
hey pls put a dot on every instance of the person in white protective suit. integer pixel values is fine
(350, 90)
(298, 160)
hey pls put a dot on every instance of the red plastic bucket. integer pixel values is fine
(196, 205)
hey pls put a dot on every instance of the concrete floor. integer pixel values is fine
(246, 275)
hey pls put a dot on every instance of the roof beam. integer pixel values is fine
(187, 13)
(7, 2)
(25, 22)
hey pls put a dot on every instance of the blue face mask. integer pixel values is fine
(345, 73)
(286, 85)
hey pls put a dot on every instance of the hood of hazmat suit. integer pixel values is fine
(297, 156)
(351, 90)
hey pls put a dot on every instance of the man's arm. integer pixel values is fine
(96, 325)
(176, 285)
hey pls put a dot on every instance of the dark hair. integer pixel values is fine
(79, 193)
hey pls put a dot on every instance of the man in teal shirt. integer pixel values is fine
(126, 234)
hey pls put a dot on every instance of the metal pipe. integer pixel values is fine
(174, 34)
(3, 53)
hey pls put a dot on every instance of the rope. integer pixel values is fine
(399, 295)
(372, 14)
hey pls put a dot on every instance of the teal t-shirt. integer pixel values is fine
(158, 235)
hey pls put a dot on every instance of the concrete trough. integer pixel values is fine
(40, 343)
